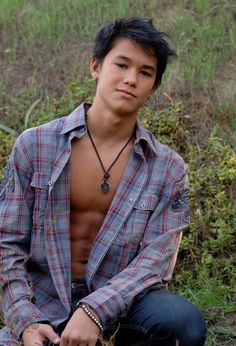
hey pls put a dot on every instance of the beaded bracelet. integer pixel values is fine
(91, 316)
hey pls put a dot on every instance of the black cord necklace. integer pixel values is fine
(105, 186)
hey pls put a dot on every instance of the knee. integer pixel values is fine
(193, 340)
(184, 334)
(194, 336)
(184, 323)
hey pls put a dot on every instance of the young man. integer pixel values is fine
(92, 210)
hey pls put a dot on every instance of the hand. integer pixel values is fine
(80, 330)
(38, 333)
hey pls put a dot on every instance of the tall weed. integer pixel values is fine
(205, 44)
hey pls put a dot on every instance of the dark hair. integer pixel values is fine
(136, 29)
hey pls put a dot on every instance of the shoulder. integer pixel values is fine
(53, 131)
(52, 128)
(167, 159)
(40, 139)
(162, 150)
(34, 138)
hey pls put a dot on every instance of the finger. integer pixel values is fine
(93, 343)
(36, 341)
(64, 341)
(73, 342)
(49, 333)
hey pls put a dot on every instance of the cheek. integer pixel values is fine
(147, 89)
(108, 80)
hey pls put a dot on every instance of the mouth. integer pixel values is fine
(126, 93)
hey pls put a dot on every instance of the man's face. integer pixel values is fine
(125, 78)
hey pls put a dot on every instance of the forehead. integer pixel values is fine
(132, 50)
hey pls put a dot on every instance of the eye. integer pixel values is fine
(123, 66)
(146, 73)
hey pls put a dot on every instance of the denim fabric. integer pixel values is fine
(160, 318)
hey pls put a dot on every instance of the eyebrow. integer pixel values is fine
(149, 67)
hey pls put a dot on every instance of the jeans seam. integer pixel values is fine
(134, 327)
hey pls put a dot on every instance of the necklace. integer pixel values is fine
(105, 186)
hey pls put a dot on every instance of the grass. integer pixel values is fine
(51, 22)
(45, 48)
(206, 43)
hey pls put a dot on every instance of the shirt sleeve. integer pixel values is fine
(16, 203)
(155, 261)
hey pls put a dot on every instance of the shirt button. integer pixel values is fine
(16, 320)
(143, 205)
(50, 183)
(73, 285)
(131, 201)
(82, 128)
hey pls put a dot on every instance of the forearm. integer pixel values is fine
(152, 267)
(17, 297)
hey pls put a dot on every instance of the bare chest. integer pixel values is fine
(87, 176)
(88, 203)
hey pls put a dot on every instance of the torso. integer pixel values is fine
(89, 205)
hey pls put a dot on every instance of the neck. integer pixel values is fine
(106, 126)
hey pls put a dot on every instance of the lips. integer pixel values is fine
(127, 92)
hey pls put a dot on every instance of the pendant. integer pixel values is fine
(105, 186)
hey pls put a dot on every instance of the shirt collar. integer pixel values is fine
(143, 135)
(74, 120)
(77, 120)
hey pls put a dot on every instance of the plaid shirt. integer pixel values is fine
(135, 249)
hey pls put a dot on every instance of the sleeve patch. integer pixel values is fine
(181, 201)
(7, 184)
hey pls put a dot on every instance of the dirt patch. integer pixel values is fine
(223, 332)
(41, 72)
(225, 82)
(228, 321)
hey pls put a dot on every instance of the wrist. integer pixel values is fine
(92, 311)
(91, 314)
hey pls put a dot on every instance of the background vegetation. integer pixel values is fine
(45, 48)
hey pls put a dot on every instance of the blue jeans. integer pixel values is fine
(159, 318)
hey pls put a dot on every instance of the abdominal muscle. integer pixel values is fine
(84, 229)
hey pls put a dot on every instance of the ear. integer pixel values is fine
(95, 68)
(151, 93)
(154, 89)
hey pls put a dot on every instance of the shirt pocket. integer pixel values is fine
(143, 208)
(147, 202)
(40, 184)
(135, 226)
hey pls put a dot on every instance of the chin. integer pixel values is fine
(125, 109)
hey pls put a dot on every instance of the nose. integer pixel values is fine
(131, 78)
